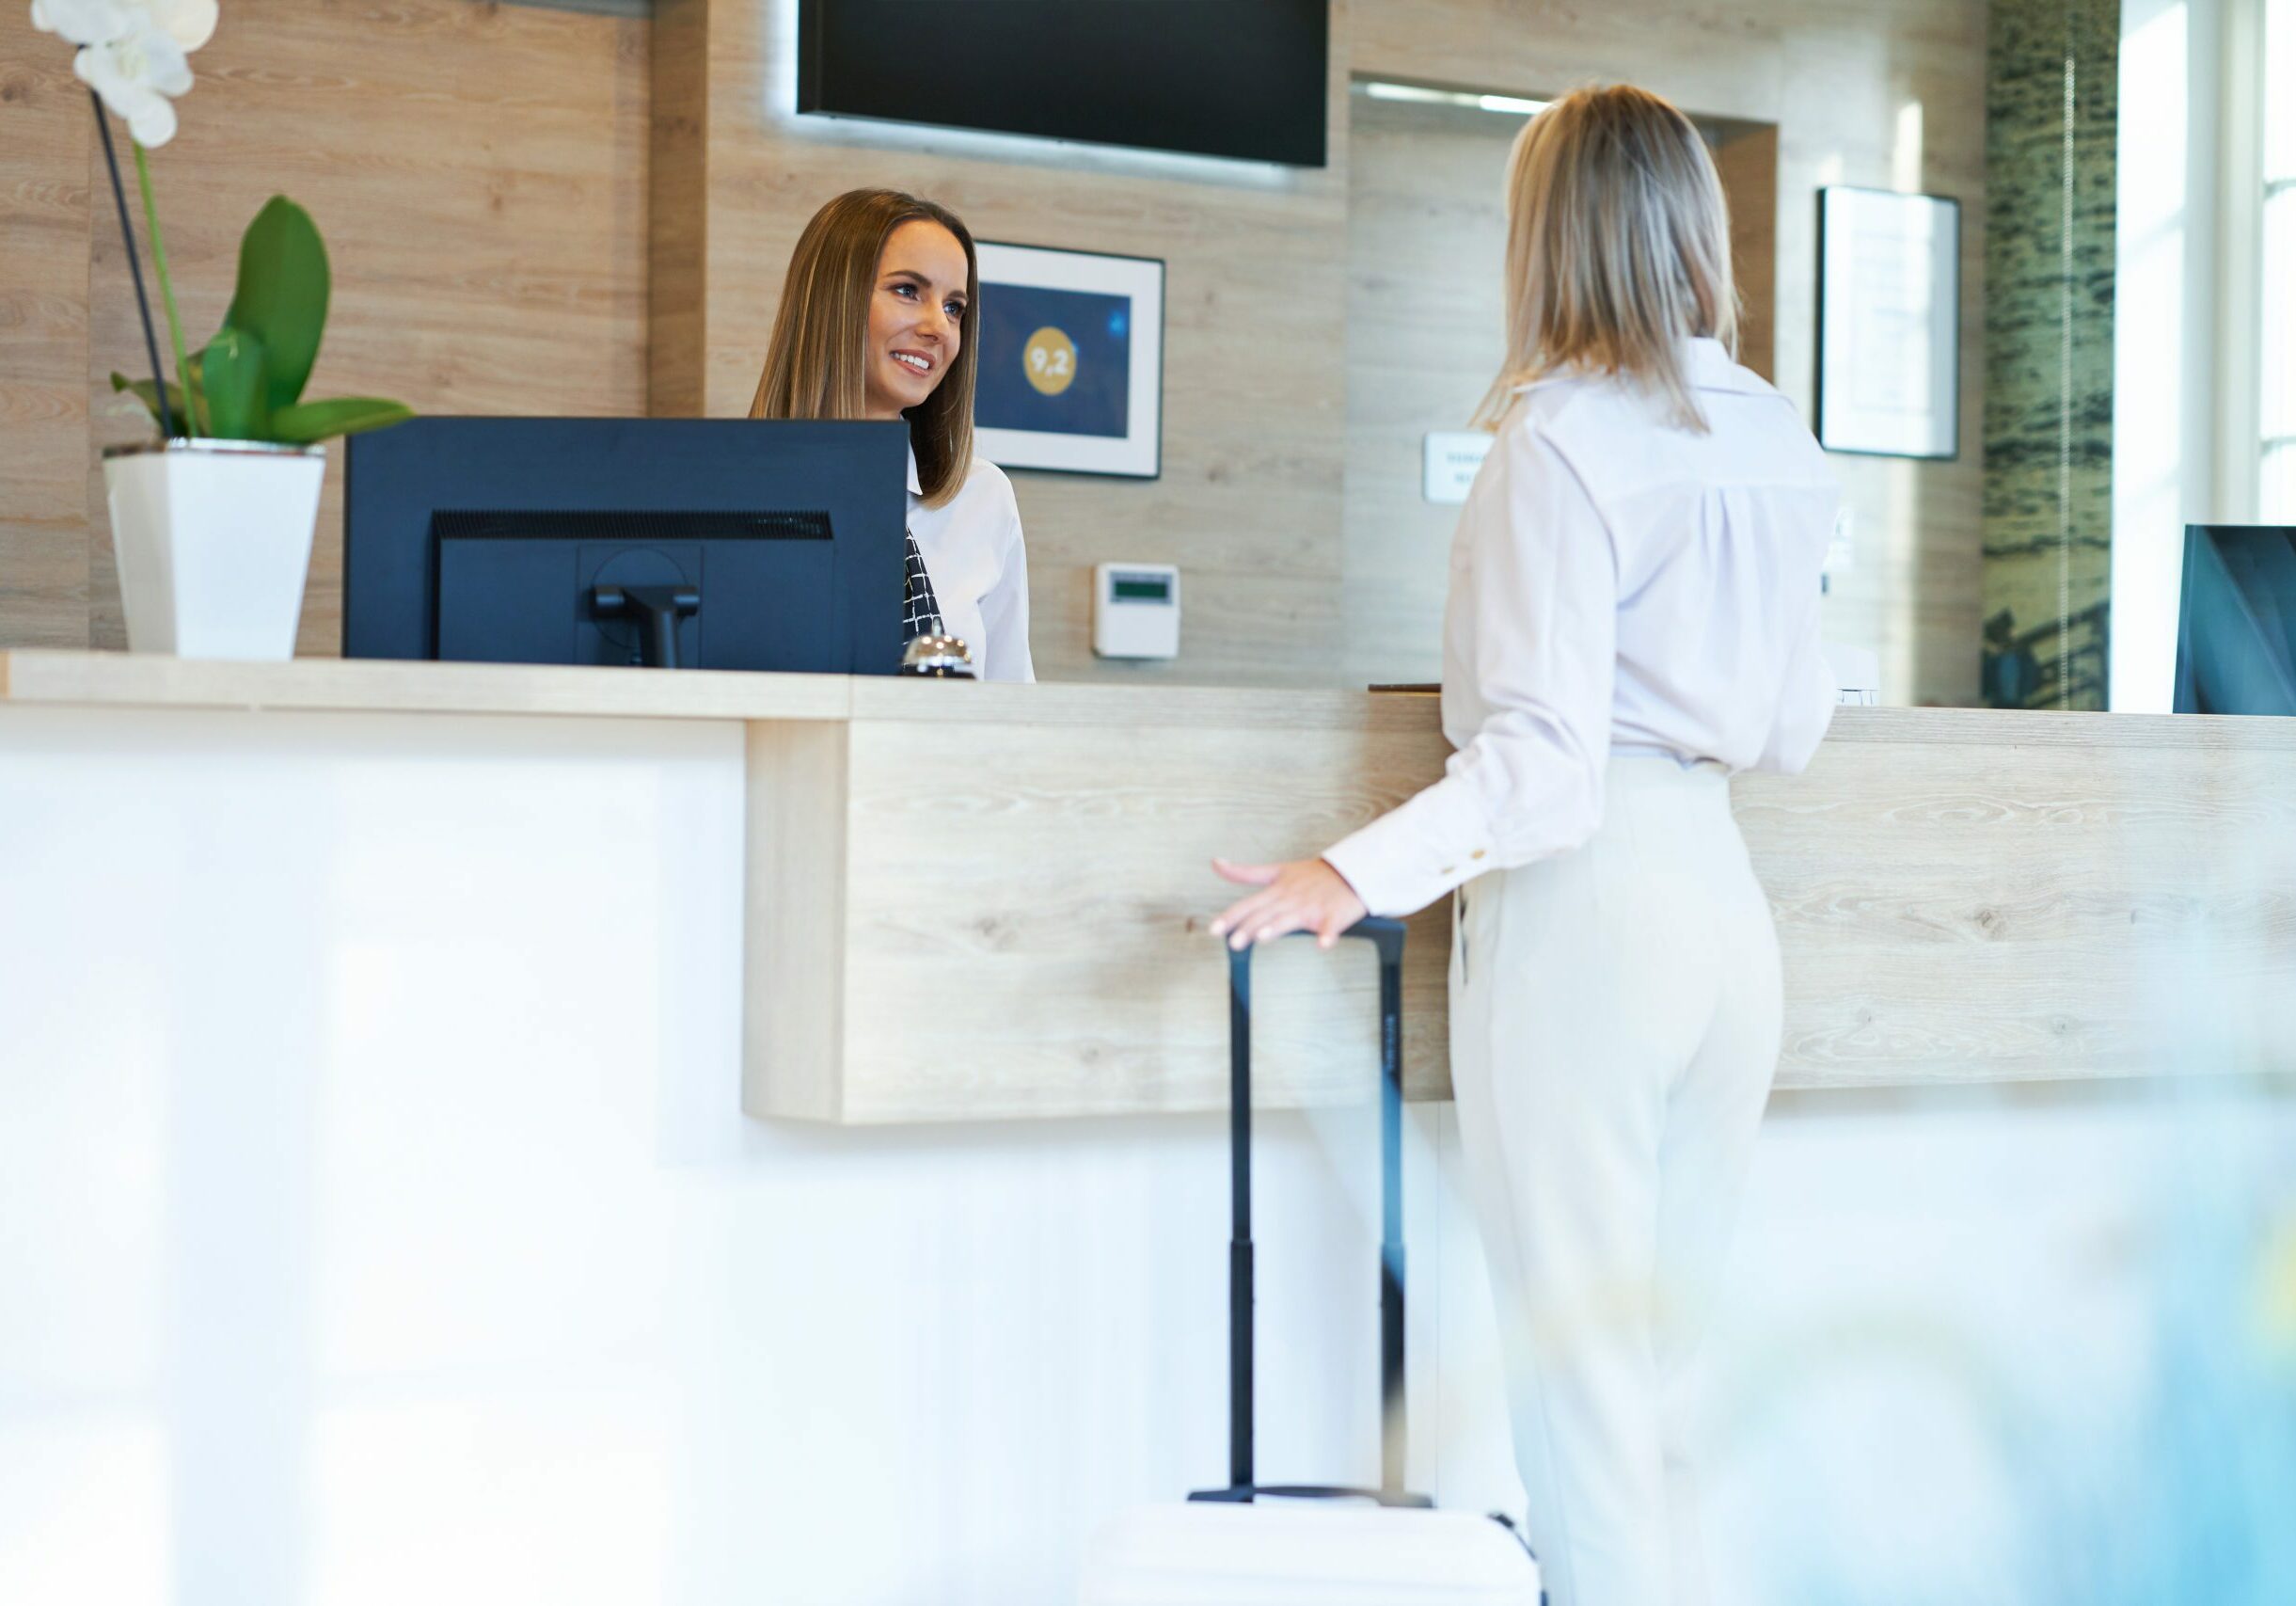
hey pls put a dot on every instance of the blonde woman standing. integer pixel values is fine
(1633, 618)
(875, 322)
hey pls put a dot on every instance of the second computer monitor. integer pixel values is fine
(721, 543)
(2236, 625)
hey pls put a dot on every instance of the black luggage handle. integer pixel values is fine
(1387, 937)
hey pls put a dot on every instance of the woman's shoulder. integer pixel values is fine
(985, 479)
(986, 493)
(1537, 409)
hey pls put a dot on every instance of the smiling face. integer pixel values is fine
(916, 316)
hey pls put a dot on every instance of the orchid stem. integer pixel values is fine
(175, 324)
(135, 271)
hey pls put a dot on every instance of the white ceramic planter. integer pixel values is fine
(213, 541)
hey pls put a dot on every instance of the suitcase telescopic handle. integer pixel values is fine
(1386, 938)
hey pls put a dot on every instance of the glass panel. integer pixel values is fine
(2279, 102)
(2278, 317)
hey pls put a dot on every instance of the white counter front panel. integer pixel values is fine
(378, 1223)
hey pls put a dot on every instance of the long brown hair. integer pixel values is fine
(1618, 247)
(817, 364)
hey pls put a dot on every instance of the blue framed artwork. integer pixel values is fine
(1072, 362)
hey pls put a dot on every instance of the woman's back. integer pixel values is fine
(1709, 549)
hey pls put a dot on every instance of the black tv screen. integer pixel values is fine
(1242, 78)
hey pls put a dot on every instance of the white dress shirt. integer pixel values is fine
(1618, 583)
(979, 569)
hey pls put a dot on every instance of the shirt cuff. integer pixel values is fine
(1410, 856)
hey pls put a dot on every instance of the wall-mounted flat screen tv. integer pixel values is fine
(1239, 78)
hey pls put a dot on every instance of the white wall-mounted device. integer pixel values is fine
(1135, 611)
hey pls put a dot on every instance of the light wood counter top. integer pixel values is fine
(967, 901)
(56, 678)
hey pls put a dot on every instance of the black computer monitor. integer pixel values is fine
(716, 543)
(2236, 626)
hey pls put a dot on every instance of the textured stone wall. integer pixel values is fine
(2048, 350)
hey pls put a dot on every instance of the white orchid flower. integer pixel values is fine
(136, 73)
(86, 22)
(190, 23)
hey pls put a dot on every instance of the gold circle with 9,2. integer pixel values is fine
(1049, 361)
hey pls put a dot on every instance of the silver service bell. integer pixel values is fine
(943, 657)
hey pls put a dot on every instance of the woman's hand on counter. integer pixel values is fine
(1306, 895)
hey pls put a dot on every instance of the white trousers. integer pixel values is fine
(1614, 1028)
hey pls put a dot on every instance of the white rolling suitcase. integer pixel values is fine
(1312, 1545)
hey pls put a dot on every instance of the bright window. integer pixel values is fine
(2277, 491)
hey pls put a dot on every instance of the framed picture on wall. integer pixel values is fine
(1889, 322)
(1072, 362)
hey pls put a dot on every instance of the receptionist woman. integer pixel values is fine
(875, 322)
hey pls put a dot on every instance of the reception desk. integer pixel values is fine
(966, 902)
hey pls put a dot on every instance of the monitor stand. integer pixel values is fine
(656, 610)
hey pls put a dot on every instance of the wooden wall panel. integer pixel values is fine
(45, 212)
(1427, 230)
(535, 210)
(1291, 579)
(1746, 157)
(677, 180)
(479, 173)
(1248, 502)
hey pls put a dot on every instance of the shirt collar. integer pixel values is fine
(916, 487)
(1710, 368)
(1706, 364)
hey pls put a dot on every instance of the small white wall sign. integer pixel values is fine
(1450, 458)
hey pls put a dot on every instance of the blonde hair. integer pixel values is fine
(1618, 247)
(817, 364)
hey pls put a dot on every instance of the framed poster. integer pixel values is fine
(1889, 322)
(1072, 362)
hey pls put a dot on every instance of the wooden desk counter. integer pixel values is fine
(978, 901)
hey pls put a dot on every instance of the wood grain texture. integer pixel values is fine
(1961, 897)
(677, 190)
(2010, 909)
(479, 174)
(151, 680)
(1027, 929)
(46, 135)
(1746, 157)
(975, 901)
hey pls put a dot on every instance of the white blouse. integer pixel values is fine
(979, 569)
(1618, 585)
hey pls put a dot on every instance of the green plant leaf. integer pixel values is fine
(307, 421)
(231, 378)
(281, 298)
(195, 366)
(148, 394)
(143, 391)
